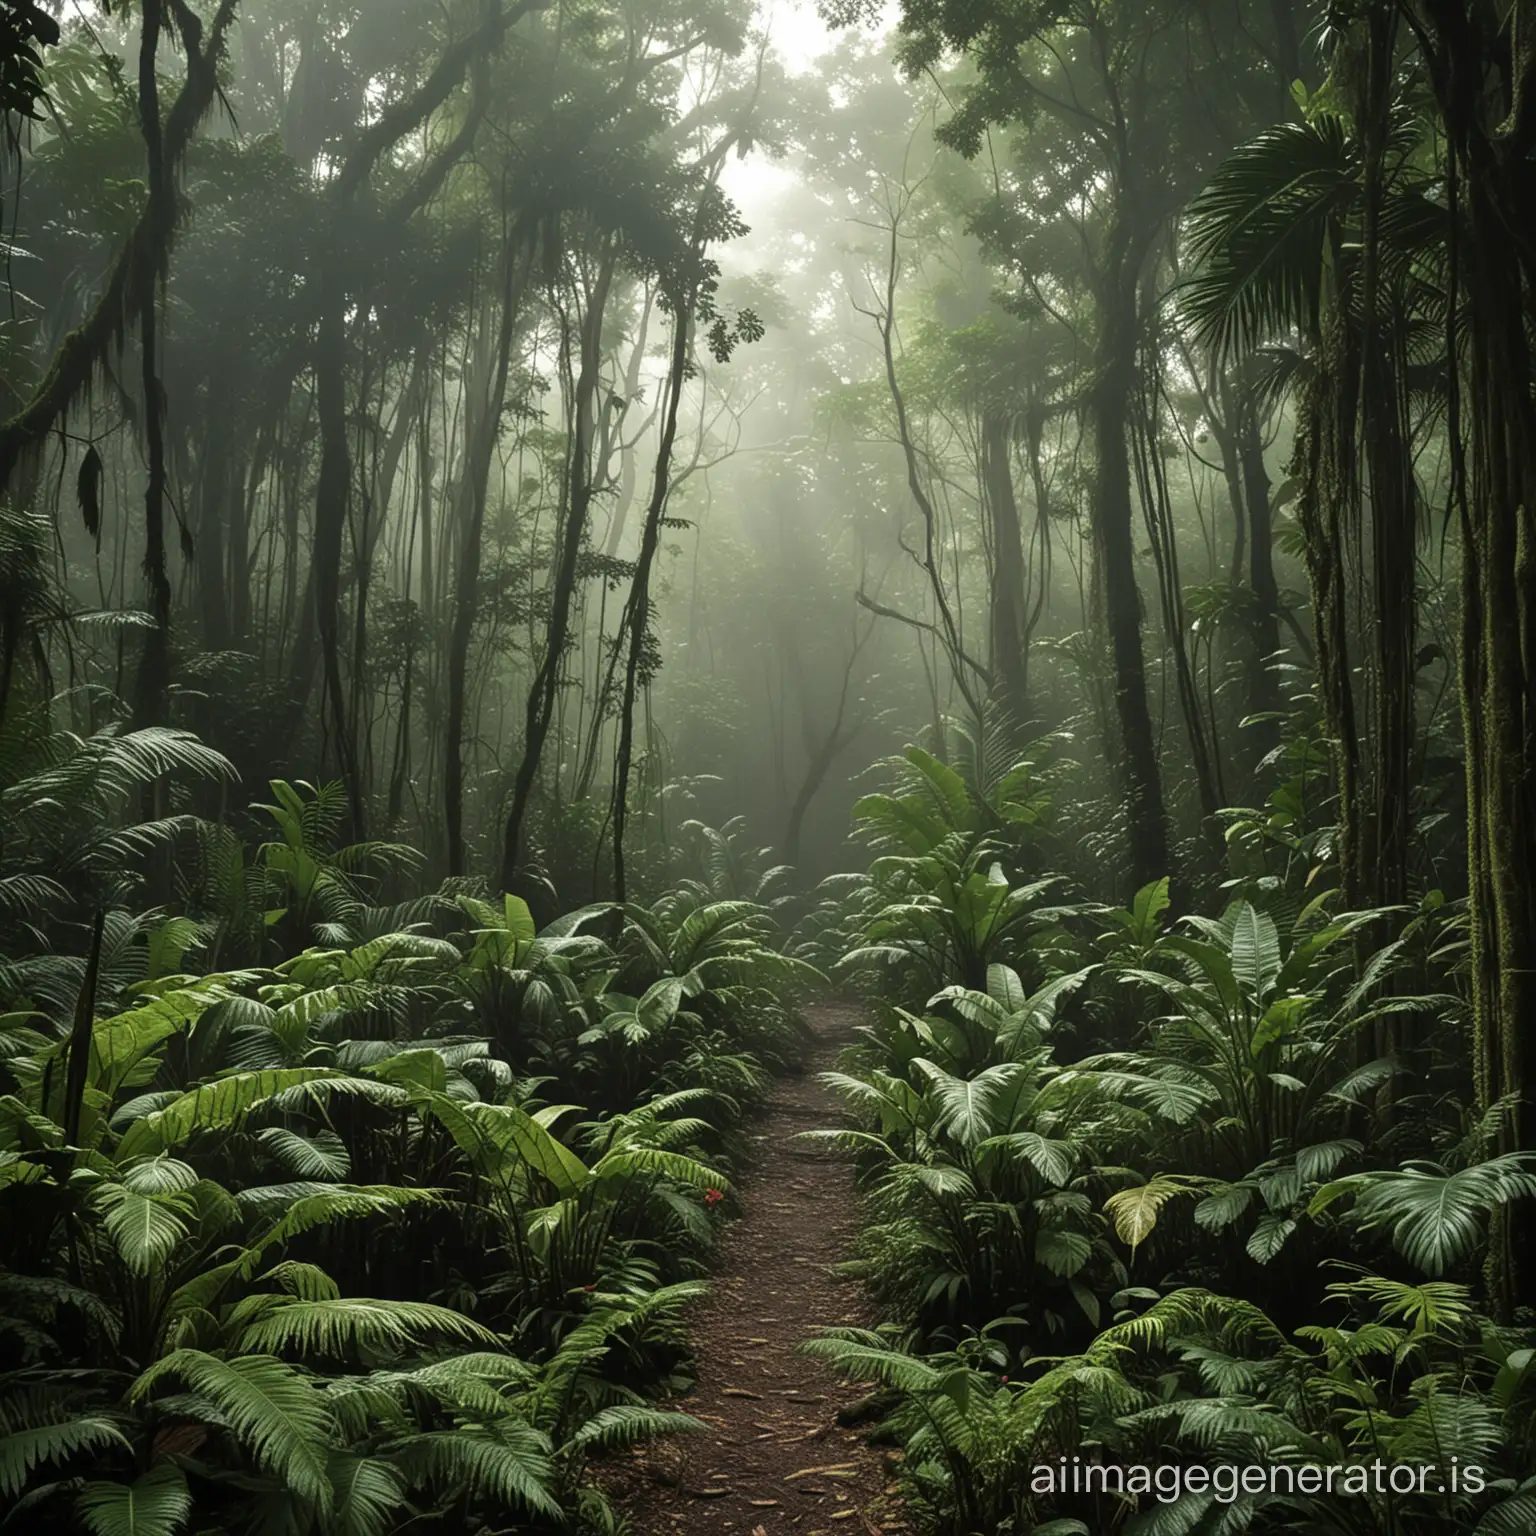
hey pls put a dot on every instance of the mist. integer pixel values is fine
(582, 576)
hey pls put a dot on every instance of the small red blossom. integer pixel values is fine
(1005, 1379)
(713, 1197)
(589, 1287)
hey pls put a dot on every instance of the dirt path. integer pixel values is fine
(773, 1458)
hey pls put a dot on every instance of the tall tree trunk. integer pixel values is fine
(215, 492)
(152, 702)
(628, 459)
(1109, 405)
(1263, 685)
(1010, 626)
(637, 613)
(332, 497)
(546, 683)
(1494, 265)
(1157, 513)
(1384, 436)
(1326, 468)
(823, 753)
(517, 262)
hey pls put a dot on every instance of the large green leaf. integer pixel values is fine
(508, 1463)
(214, 1106)
(368, 1495)
(1437, 1219)
(156, 1504)
(513, 1131)
(306, 1206)
(968, 1108)
(47, 1444)
(1269, 1237)
(1255, 949)
(945, 789)
(332, 1325)
(145, 1229)
(1135, 1211)
(659, 1006)
(276, 1412)
(119, 1044)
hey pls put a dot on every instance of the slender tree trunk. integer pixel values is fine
(1393, 520)
(332, 497)
(1010, 626)
(214, 496)
(822, 754)
(484, 433)
(637, 614)
(628, 461)
(1325, 465)
(1263, 685)
(154, 677)
(1157, 514)
(1109, 406)
(546, 683)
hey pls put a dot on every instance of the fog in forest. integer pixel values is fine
(572, 568)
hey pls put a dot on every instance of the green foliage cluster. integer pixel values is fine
(385, 1221)
(1247, 1231)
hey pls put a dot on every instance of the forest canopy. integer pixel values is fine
(542, 539)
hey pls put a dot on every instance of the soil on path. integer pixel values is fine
(772, 1458)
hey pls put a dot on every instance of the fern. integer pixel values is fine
(277, 1412)
(157, 1504)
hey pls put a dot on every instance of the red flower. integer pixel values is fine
(593, 1287)
(713, 1197)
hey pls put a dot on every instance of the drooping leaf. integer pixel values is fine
(156, 1504)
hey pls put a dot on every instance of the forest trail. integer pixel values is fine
(772, 1457)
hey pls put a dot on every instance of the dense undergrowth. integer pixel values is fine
(328, 1215)
(1161, 1193)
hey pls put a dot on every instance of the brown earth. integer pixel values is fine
(772, 1457)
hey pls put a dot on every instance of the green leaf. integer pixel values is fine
(368, 1494)
(1320, 1160)
(1255, 949)
(214, 1106)
(1004, 986)
(659, 1006)
(1062, 1251)
(1514, 1517)
(968, 1109)
(1053, 1160)
(320, 1154)
(1269, 1237)
(1222, 1207)
(311, 1205)
(39, 1445)
(1437, 1219)
(157, 1504)
(1135, 1211)
(508, 1464)
(277, 1413)
(119, 1044)
(1147, 909)
(1278, 1022)
(144, 1229)
(331, 1325)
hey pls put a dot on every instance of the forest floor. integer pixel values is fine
(772, 1457)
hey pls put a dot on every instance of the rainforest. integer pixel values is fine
(767, 766)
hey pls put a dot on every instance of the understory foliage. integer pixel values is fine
(329, 1215)
(1167, 1193)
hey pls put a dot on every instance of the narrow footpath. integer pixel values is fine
(773, 1457)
